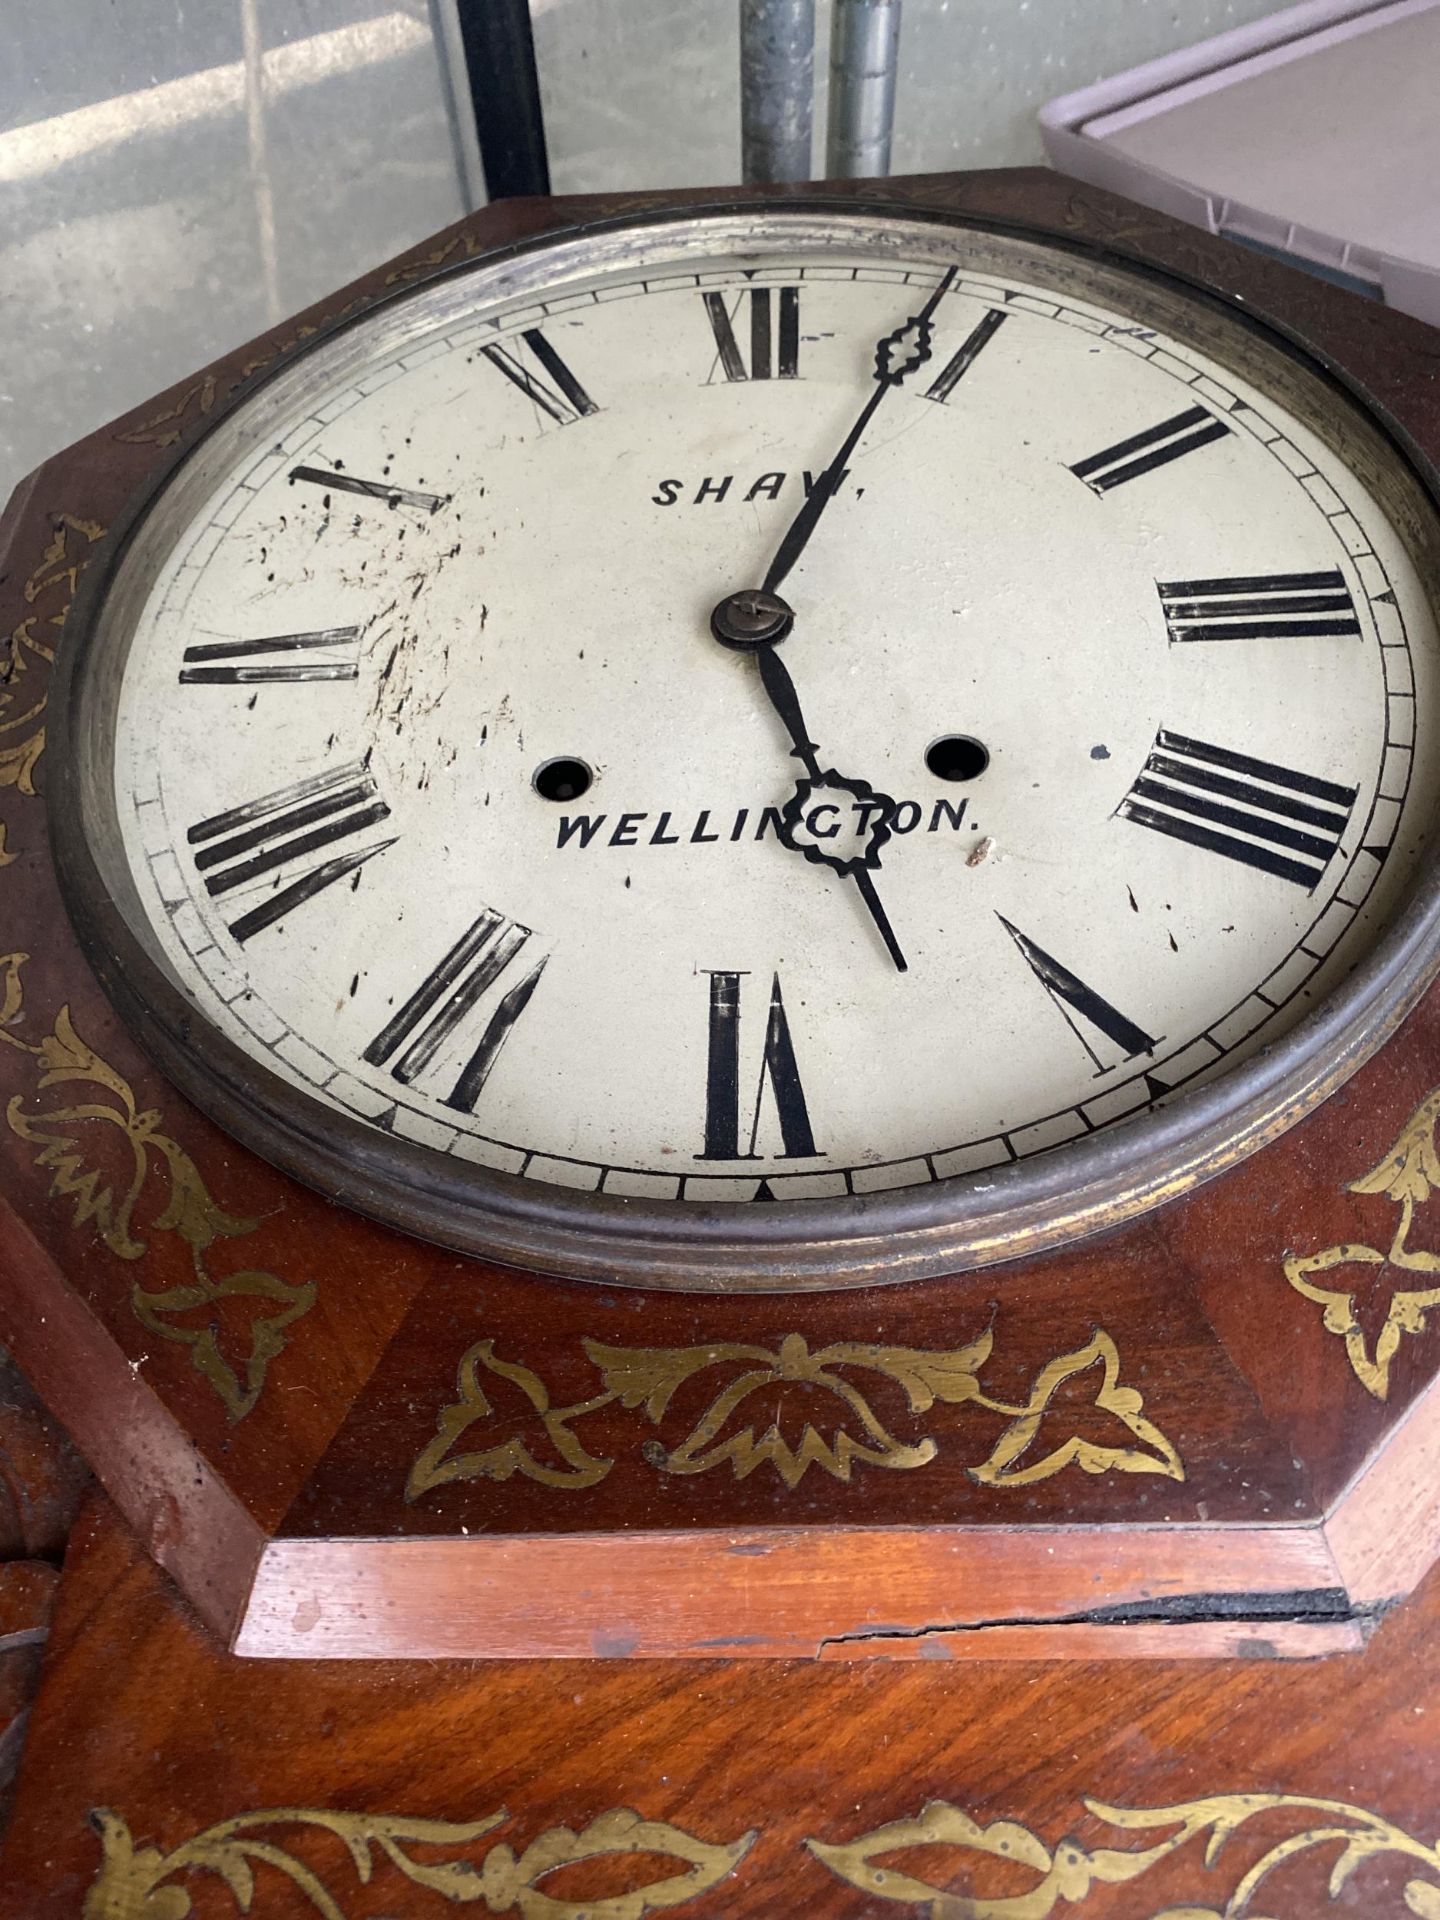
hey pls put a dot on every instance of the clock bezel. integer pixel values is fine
(957, 1223)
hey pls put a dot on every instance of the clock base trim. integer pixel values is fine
(803, 1593)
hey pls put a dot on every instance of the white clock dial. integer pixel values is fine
(1106, 709)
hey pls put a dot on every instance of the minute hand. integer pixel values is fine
(894, 360)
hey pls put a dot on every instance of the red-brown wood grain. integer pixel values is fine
(27, 1600)
(42, 1477)
(1235, 1455)
(141, 1714)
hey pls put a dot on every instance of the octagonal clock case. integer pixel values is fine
(716, 950)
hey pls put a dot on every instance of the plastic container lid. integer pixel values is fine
(1312, 134)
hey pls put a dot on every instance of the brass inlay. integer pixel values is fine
(434, 1468)
(1408, 1175)
(1067, 1873)
(60, 1135)
(141, 1883)
(144, 1883)
(460, 246)
(165, 428)
(843, 1432)
(50, 589)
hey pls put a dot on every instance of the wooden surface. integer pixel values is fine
(1027, 1789)
(42, 1481)
(1234, 1439)
(812, 1592)
(42, 1477)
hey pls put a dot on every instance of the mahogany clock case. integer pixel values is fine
(943, 1226)
(1210, 1428)
(160, 1772)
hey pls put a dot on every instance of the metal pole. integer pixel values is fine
(777, 83)
(459, 109)
(505, 90)
(864, 43)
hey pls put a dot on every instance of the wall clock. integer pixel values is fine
(739, 748)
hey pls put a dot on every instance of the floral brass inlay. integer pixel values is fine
(1068, 1872)
(168, 426)
(1408, 1175)
(142, 1883)
(1280, 1831)
(460, 246)
(50, 590)
(838, 1425)
(60, 1134)
(164, 429)
(434, 1468)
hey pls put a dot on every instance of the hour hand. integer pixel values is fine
(786, 702)
(757, 622)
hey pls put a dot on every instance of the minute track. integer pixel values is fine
(730, 861)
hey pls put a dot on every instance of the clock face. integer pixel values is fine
(767, 717)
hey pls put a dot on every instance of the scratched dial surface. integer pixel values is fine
(439, 797)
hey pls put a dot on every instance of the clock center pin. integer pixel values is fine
(751, 619)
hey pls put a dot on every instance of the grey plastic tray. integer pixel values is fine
(1312, 134)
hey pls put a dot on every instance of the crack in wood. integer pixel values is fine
(1306, 1606)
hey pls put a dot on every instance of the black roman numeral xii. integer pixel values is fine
(769, 356)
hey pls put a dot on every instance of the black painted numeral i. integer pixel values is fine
(960, 362)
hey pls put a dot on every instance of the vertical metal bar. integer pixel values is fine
(864, 44)
(777, 85)
(259, 156)
(459, 110)
(505, 92)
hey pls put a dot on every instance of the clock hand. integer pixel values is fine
(756, 623)
(889, 372)
(759, 620)
(786, 702)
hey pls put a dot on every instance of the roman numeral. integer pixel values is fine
(276, 836)
(960, 363)
(1241, 807)
(777, 1065)
(339, 482)
(445, 997)
(566, 400)
(1259, 606)
(332, 653)
(764, 358)
(1156, 447)
(1070, 996)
